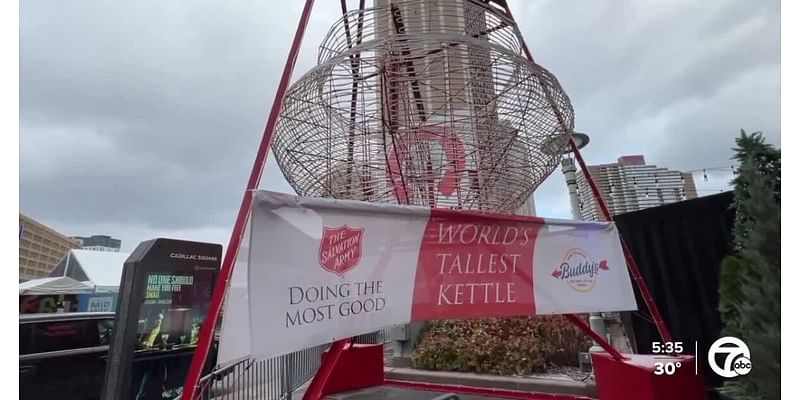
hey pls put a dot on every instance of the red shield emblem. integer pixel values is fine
(340, 249)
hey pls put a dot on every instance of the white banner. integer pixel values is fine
(319, 270)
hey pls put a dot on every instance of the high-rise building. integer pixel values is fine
(452, 90)
(630, 185)
(40, 248)
(528, 208)
(99, 243)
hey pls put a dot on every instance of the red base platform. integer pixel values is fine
(359, 366)
(635, 378)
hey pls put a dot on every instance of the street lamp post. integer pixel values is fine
(569, 170)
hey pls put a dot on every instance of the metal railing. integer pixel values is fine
(273, 378)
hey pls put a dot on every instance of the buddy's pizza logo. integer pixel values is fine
(580, 270)
(340, 249)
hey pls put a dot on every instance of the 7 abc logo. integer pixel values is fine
(737, 357)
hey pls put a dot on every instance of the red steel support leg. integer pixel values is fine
(208, 328)
(633, 268)
(317, 385)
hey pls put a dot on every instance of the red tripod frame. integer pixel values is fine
(318, 383)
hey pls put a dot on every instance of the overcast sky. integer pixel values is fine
(140, 119)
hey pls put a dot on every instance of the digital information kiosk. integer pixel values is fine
(163, 301)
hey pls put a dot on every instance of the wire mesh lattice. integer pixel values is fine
(423, 102)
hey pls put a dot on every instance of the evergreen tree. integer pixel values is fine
(766, 160)
(750, 278)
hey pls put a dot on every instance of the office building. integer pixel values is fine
(528, 208)
(454, 88)
(630, 185)
(99, 243)
(40, 248)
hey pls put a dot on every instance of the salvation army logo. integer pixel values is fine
(580, 270)
(340, 249)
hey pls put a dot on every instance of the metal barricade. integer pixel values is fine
(274, 378)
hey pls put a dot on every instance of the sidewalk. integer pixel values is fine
(527, 384)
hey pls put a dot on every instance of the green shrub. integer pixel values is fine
(504, 346)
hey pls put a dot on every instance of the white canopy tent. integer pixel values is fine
(54, 285)
(100, 269)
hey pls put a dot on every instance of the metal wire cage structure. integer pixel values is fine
(428, 103)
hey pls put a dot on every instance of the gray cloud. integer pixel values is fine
(141, 119)
(674, 81)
